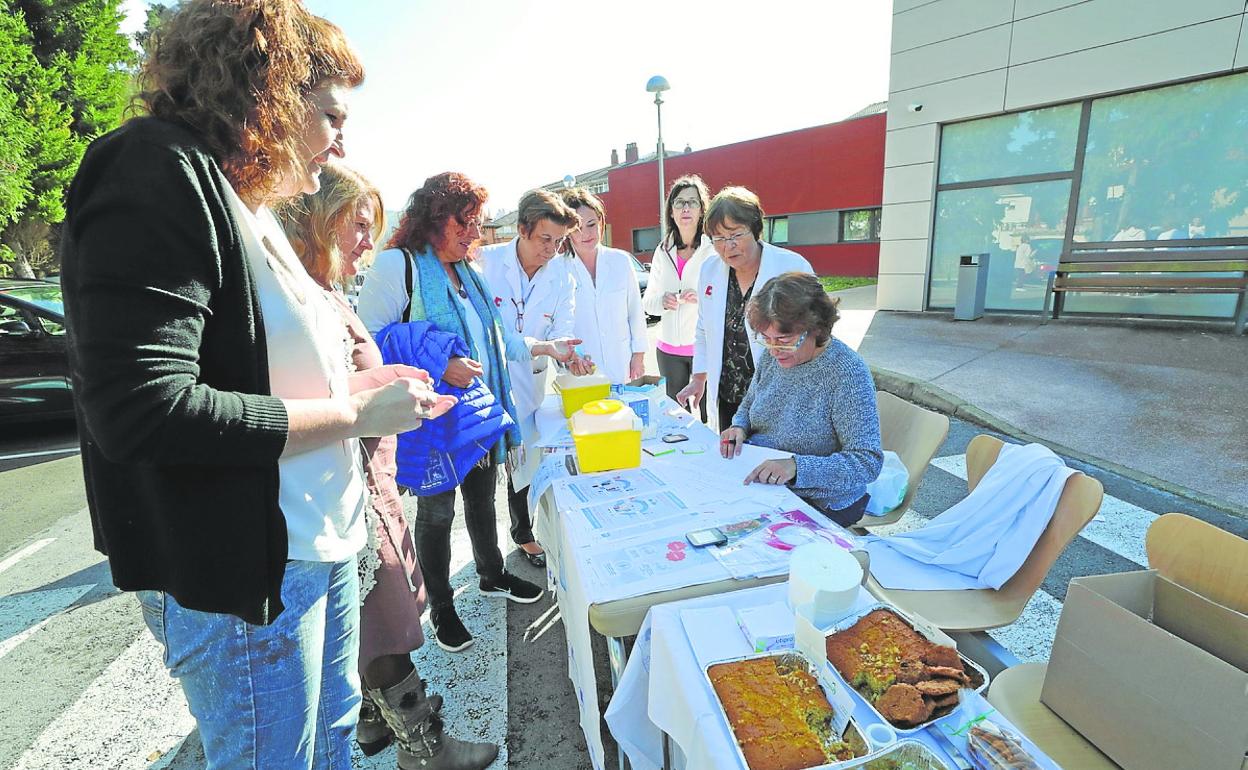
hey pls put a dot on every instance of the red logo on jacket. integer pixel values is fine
(498, 302)
(708, 290)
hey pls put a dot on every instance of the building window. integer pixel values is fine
(777, 230)
(645, 240)
(1158, 171)
(598, 188)
(860, 225)
(1025, 143)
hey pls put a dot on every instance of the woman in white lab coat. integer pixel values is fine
(672, 293)
(534, 291)
(724, 350)
(609, 318)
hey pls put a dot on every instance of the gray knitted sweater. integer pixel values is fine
(823, 411)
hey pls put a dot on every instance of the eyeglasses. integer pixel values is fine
(680, 204)
(728, 240)
(786, 344)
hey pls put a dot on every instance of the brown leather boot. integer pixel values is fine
(372, 732)
(413, 717)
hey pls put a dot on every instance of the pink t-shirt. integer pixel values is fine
(676, 350)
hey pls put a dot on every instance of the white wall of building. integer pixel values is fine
(962, 59)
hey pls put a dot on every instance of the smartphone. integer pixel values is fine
(675, 438)
(700, 538)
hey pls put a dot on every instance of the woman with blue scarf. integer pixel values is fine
(424, 276)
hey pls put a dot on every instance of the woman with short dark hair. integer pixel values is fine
(812, 396)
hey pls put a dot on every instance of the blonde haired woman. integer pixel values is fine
(332, 231)
(609, 320)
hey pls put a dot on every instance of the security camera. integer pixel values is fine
(915, 107)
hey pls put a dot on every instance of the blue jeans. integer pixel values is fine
(285, 695)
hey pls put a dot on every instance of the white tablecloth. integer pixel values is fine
(567, 565)
(664, 690)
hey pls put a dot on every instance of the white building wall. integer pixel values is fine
(964, 59)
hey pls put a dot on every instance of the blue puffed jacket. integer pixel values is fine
(436, 456)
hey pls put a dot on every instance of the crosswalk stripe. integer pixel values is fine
(132, 711)
(22, 615)
(27, 551)
(1119, 527)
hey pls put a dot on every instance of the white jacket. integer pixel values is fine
(548, 300)
(679, 326)
(609, 318)
(708, 346)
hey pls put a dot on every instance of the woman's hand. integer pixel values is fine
(689, 297)
(671, 300)
(383, 375)
(397, 407)
(581, 365)
(774, 472)
(691, 395)
(636, 366)
(562, 350)
(460, 371)
(730, 442)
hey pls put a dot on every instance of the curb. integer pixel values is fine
(936, 398)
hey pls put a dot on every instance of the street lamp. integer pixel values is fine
(657, 85)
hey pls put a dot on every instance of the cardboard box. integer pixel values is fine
(1155, 675)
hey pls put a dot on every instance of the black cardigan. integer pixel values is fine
(180, 435)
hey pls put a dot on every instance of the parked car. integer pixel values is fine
(34, 366)
(643, 273)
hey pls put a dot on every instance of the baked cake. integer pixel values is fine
(908, 678)
(778, 714)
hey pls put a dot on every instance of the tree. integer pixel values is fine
(75, 89)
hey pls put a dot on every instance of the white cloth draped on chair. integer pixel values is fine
(983, 540)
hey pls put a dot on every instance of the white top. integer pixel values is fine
(609, 318)
(384, 293)
(476, 333)
(322, 492)
(708, 345)
(679, 326)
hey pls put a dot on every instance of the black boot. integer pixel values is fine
(422, 744)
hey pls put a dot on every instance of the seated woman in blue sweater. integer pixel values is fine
(814, 397)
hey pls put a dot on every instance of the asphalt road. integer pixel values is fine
(82, 685)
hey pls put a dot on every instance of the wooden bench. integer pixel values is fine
(1142, 271)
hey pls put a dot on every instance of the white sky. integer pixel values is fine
(518, 93)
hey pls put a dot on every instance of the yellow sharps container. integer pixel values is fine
(607, 435)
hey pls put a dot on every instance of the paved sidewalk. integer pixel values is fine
(1164, 403)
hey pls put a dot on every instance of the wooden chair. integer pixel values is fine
(1015, 693)
(1193, 553)
(915, 434)
(985, 608)
(1200, 557)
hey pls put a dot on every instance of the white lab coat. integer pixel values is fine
(549, 302)
(609, 318)
(708, 346)
(679, 326)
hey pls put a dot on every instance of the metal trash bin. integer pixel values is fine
(972, 287)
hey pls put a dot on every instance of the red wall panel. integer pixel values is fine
(834, 166)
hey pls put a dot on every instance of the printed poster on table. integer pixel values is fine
(645, 567)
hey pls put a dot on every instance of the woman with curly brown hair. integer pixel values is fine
(332, 231)
(424, 276)
(219, 423)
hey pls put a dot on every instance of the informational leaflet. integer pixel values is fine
(643, 567)
(630, 517)
(554, 466)
(764, 549)
(604, 487)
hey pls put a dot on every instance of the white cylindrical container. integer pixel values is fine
(827, 577)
